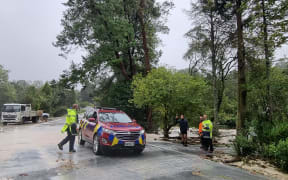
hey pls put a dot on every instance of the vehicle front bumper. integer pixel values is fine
(121, 147)
(10, 120)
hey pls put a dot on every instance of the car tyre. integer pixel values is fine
(4, 123)
(97, 149)
(80, 138)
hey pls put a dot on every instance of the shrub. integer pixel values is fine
(279, 132)
(84, 104)
(282, 154)
(278, 153)
(60, 111)
(227, 120)
(243, 146)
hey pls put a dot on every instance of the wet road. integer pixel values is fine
(30, 152)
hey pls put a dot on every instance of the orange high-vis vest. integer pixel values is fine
(200, 128)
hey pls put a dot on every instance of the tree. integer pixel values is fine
(8, 93)
(231, 8)
(242, 89)
(120, 37)
(169, 93)
(267, 32)
(116, 35)
(211, 44)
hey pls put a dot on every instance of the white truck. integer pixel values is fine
(18, 113)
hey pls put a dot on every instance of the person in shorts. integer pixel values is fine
(184, 127)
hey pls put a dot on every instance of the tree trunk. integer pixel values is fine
(144, 36)
(220, 96)
(146, 51)
(268, 62)
(242, 91)
(166, 127)
(132, 64)
(214, 65)
(149, 119)
(122, 67)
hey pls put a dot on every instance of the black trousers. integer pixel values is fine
(70, 138)
(201, 141)
(207, 144)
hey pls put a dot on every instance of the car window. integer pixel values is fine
(90, 114)
(94, 115)
(114, 117)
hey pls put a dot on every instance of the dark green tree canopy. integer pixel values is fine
(110, 32)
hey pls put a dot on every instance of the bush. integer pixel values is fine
(227, 120)
(278, 153)
(84, 104)
(279, 132)
(60, 111)
(243, 146)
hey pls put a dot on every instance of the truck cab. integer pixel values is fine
(18, 113)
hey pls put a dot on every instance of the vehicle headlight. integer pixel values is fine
(108, 131)
(142, 131)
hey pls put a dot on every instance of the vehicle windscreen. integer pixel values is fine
(11, 108)
(114, 117)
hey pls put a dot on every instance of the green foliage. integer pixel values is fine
(169, 93)
(118, 96)
(275, 13)
(111, 33)
(84, 104)
(278, 153)
(279, 132)
(228, 120)
(243, 146)
(8, 93)
(59, 111)
(51, 97)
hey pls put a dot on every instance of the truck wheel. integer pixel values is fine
(35, 119)
(97, 149)
(22, 120)
(80, 138)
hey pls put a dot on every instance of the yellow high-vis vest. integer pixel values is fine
(207, 128)
(71, 118)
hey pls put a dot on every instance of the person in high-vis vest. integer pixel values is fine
(207, 128)
(71, 128)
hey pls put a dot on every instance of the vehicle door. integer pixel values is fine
(23, 111)
(86, 122)
(91, 125)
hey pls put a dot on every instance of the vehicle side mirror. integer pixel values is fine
(134, 121)
(92, 120)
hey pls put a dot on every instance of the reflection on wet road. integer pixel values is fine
(30, 152)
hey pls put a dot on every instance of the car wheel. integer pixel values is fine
(80, 138)
(4, 123)
(97, 149)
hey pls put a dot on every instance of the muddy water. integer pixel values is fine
(28, 137)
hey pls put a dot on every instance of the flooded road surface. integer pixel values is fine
(30, 152)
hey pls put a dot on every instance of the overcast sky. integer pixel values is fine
(28, 28)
